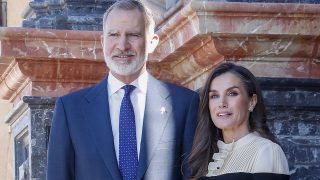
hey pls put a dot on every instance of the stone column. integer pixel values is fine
(30, 127)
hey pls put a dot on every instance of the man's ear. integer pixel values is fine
(152, 44)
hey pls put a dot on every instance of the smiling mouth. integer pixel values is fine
(123, 56)
(224, 114)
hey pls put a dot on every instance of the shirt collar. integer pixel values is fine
(140, 83)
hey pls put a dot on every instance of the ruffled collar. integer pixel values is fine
(225, 150)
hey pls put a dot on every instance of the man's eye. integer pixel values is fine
(134, 36)
(113, 34)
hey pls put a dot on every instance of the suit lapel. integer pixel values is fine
(157, 111)
(96, 112)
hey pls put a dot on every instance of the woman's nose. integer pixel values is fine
(223, 103)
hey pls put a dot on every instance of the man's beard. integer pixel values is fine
(126, 67)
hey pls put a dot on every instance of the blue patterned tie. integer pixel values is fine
(128, 156)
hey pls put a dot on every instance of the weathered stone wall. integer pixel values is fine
(68, 14)
(41, 112)
(30, 127)
(293, 107)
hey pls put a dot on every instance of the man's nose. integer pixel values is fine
(123, 43)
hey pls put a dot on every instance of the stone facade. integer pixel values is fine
(278, 42)
(68, 14)
(293, 112)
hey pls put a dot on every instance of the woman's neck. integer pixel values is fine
(229, 135)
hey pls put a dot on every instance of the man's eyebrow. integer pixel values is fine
(111, 31)
(134, 32)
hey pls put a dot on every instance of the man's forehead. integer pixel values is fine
(124, 11)
(116, 30)
(127, 16)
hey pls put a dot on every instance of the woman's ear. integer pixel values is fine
(253, 102)
(152, 44)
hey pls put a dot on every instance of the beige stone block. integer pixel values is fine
(5, 143)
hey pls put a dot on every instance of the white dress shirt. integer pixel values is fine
(138, 99)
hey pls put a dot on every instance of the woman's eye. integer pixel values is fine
(232, 93)
(213, 96)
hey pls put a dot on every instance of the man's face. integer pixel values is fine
(125, 42)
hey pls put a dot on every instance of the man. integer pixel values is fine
(130, 125)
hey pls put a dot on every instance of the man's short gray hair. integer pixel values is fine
(131, 5)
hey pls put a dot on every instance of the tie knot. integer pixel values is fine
(128, 89)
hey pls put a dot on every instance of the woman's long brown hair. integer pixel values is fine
(207, 134)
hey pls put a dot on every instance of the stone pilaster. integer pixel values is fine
(30, 127)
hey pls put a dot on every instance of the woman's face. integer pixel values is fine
(229, 103)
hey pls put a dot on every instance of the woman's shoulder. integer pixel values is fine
(266, 146)
(264, 143)
(249, 176)
(270, 157)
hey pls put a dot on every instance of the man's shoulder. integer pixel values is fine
(80, 93)
(180, 94)
(178, 88)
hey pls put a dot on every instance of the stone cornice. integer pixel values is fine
(44, 62)
(49, 77)
(205, 33)
(48, 43)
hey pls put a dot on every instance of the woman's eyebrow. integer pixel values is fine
(232, 87)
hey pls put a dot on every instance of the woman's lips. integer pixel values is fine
(225, 113)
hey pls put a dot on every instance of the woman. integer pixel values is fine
(232, 139)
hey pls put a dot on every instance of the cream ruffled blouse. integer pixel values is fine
(252, 154)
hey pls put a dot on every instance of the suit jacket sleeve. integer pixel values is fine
(189, 132)
(60, 149)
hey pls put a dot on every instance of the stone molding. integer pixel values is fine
(48, 43)
(205, 33)
(48, 62)
(291, 93)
